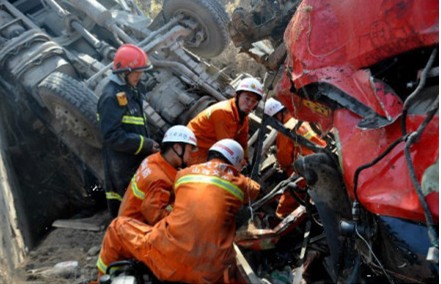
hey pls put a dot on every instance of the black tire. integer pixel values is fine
(73, 105)
(212, 20)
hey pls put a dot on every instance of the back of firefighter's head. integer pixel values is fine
(273, 107)
(248, 94)
(131, 61)
(229, 150)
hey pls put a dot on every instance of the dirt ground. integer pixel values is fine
(76, 249)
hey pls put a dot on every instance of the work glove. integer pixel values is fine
(150, 146)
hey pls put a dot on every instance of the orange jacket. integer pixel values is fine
(288, 150)
(149, 195)
(217, 122)
(193, 244)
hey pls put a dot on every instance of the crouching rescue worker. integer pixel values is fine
(287, 150)
(193, 244)
(149, 196)
(226, 119)
(122, 123)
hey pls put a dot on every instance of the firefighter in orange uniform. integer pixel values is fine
(226, 119)
(287, 150)
(149, 196)
(193, 244)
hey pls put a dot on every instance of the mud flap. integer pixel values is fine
(330, 199)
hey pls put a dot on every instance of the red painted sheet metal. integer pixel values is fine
(327, 43)
(357, 33)
(386, 188)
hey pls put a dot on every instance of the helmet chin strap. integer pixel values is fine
(242, 114)
(124, 75)
(181, 156)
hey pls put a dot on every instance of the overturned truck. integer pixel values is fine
(55, 58)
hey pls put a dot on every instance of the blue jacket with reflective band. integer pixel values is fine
(125, 135)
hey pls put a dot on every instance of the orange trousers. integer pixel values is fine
(128, 238)
(116, 246)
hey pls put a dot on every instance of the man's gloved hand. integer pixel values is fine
(151, 146)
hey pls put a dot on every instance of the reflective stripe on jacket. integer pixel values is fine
(150, 191)
(202, 179)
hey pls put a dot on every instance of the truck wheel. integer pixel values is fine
(73, 105)
(210, 36)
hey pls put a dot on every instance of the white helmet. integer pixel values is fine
(180, 133)
(272, 107)
(251, 85)
(231, 150)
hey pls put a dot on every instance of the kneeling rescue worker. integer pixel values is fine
(194, 244)
(122, 123)
(149, 196)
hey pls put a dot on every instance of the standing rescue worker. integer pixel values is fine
(122, 123)
(226, 119)
(287, 150)
(193, 244)
(149, 196)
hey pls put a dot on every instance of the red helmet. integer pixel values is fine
(130, 58)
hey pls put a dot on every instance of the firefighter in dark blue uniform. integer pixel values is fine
(122, 122)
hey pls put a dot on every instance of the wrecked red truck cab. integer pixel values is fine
(334, 49)
(368, 72)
